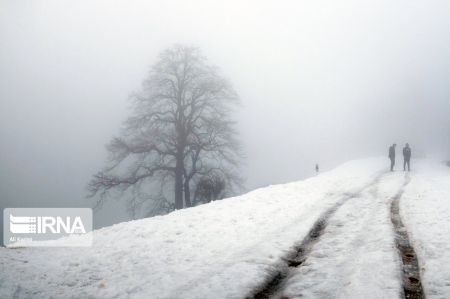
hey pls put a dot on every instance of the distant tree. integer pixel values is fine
(210, 187)
(180, 131)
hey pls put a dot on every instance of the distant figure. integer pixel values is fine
(392, 155)
(406, 156)
(317, 168)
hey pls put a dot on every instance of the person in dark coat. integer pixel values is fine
(392, 155)
(406, 156)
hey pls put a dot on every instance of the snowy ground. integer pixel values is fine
(228, 248)
(354, 257)
(425, 208)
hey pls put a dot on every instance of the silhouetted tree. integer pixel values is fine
(210, 187)
(180, 130)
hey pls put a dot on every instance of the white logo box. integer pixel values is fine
(47, 227)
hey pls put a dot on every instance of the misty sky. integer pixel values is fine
(320, 81)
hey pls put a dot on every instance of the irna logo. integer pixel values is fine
(43, 225)
(47, 227)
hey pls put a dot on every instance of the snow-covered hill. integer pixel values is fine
(231, 248)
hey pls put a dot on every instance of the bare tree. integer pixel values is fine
(180, 130)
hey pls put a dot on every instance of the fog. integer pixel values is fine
(320, 82)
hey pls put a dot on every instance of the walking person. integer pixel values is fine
(392, 155)
(406, 156)
(317, 167)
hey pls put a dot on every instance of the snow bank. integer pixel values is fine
(425, 208)
(356, 255)
(220, 250)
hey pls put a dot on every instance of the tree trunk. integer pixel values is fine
(179, 183)
(187, 194)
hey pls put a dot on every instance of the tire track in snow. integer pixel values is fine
(412, 285)
(296, 257)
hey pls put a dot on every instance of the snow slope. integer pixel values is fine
(425, 208)
(228, 248)
(355, 257)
